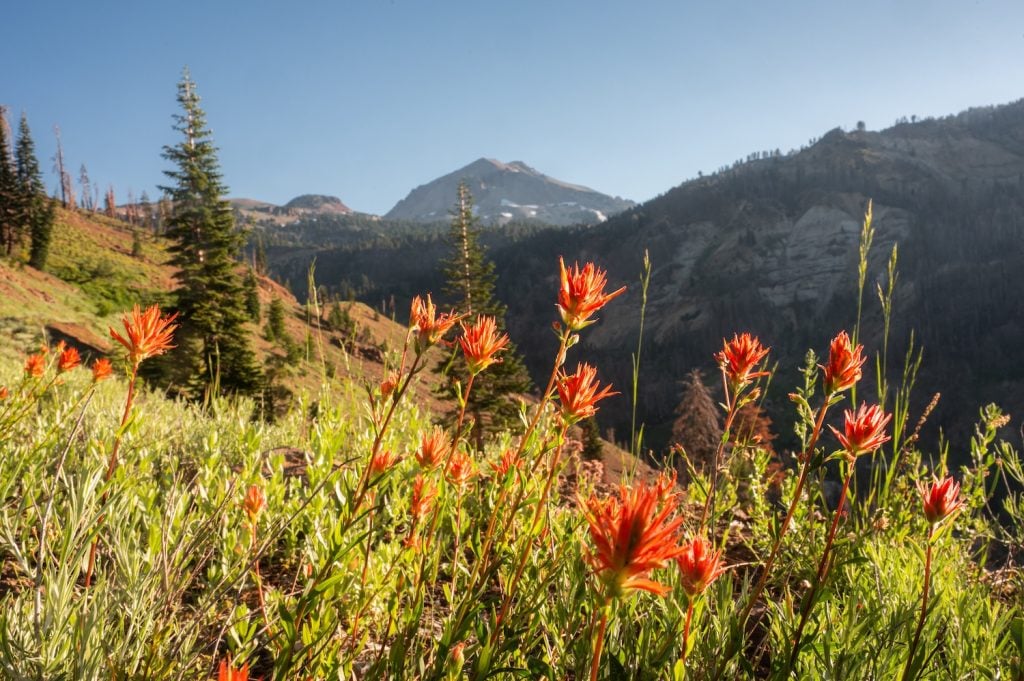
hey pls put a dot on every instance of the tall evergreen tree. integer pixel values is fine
(36, 211)
(10, 194)
(205, 242)
(470, 284)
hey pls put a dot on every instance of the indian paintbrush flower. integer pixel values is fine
(844, 365)
(864, 431)
(148, 333)
(578, 393)
(699, 565)
(423, 496)
(254, 503)
(433, 448)
(428, 326)
(941, 499)
(68, 359)
(35, 365)
(738, 359)
(633, 535)
(481, 343)
(227, 671)
(101, 370)
(382, 462)
(582, 294)
(509, 460)
(460, 468)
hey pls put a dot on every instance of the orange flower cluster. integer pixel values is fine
(509, 461)
(433, 448)
(254, 503)
(864, 432)
(148, 333)
(941, 500)
(423, 496)
(35, 365)
(68, 359)
(101, 370)
(429, 328)
(582, 294)
(460, 468)
(738, 359)
(382, 462)
(699, 565)
(578, 393)
(844, 365)
(633, 534)
(227, 671)
(481, 343)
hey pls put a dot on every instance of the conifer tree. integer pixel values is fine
(252, 295)
(36, 212)
(470, 283)
(88, 203)
(696, 426)
(10, 195)
(202, 228)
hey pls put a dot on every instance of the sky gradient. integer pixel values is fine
(366, 100)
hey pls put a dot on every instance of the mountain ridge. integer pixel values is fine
(503, 192)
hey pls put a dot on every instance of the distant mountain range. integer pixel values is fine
(770, 245)
(503, 192)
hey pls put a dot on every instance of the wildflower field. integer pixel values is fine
(143, 538)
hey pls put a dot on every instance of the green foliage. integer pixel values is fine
(10, 193)
(274, 329)
(213, 350)
(252, 296)
(470, 282)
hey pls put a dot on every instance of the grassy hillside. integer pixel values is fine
(353, 540)
(93, 276)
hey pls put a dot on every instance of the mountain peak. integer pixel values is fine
(319, 203)
(508, 191)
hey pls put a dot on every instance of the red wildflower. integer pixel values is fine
(388, 385)
(4, 392)
(699, 565)
(632, 537)
(509, 461)
(460, 468)
(578, 393)
(864, 431)
(255, 501)
(433, 449)
(149, 333)
(582, 294)
(844, 365)
(423, 496)
(738, 359)
(101, 370)
(68, 359)
(941, 500)
(382, 462)
(480, 343)
(35, 365)
(227, 672)
(429, 327)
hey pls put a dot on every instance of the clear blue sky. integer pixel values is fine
(366, 100)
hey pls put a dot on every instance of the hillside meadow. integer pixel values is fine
(355, 536)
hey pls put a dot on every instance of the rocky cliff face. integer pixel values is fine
(508, 191)
(771, 247)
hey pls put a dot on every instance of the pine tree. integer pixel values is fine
(252, 295)
(10, 196)
(205, 243)
(470, 283)
(696, 426)
(37, 212)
